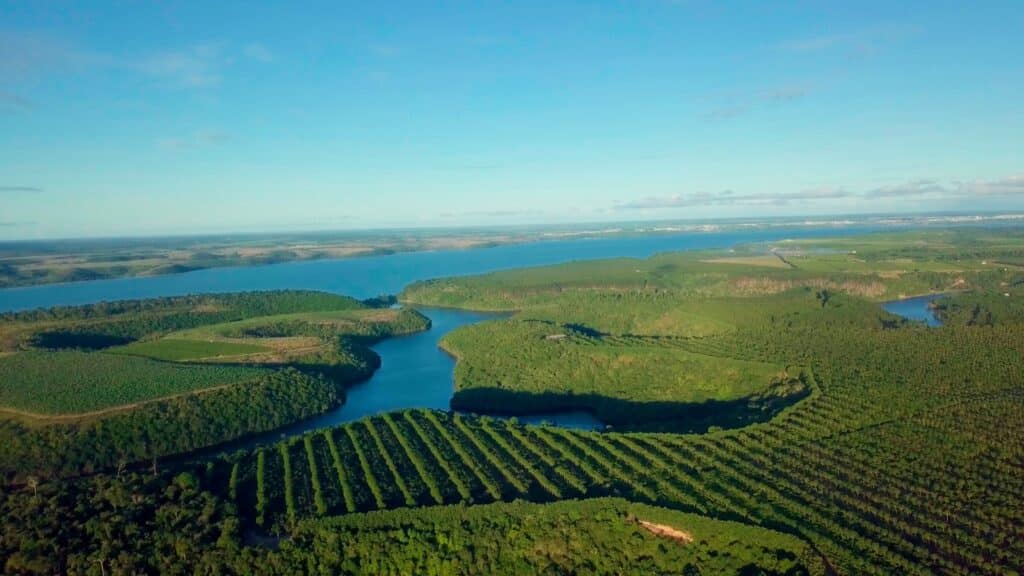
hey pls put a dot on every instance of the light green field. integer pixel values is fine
(179, 350)
(339, 321)
(70, 382)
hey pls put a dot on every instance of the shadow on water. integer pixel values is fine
(627, 415)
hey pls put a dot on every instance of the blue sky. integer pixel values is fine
(136, 118)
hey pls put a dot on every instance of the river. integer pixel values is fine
(414, 373)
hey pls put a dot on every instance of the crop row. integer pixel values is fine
(834, 498)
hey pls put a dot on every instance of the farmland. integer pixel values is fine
(893, 448)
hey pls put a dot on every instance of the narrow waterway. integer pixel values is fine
(414, 373)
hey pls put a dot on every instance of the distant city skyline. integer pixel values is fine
(123, 120)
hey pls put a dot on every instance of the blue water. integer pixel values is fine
(376, 275)
(414, 373)
(915, 309)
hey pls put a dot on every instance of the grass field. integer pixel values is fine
(72, 382)
(177, 349)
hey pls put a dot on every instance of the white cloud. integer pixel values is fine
(1010, 185)
(861, 42)
(728, 197)
(734, 104)
(25, 55)
(197, 66)
(914, 189)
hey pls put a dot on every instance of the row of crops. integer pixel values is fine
(908, 457)
(879, 477)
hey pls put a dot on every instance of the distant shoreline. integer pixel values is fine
(46, 262)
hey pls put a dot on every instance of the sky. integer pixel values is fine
(142, 118)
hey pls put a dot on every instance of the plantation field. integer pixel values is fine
(866, 444)
(906, 459)
(178, 349)
(71, 382)
(636, 314)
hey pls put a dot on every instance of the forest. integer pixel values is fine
(103, 386)
(896, 448)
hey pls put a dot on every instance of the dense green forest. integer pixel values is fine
(106, 385)
(529, 366)
(899, 448)
(169, 523)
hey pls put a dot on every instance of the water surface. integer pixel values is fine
(414, 372)
(917, 309)
(375, 275)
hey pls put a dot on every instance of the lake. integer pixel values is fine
(918, 309)
(376, 275)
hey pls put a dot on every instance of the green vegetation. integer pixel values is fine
(903, 459)
(171, 524)
(982, 309)
(893, 449)
(136, 319)
(519, 366)
(50, 447)
(177, 350)
(78, 260)
(604, 536)
(91, 387)
(70, 382)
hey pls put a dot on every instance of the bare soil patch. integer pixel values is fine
(667, 531)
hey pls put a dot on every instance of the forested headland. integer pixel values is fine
(107, 385)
